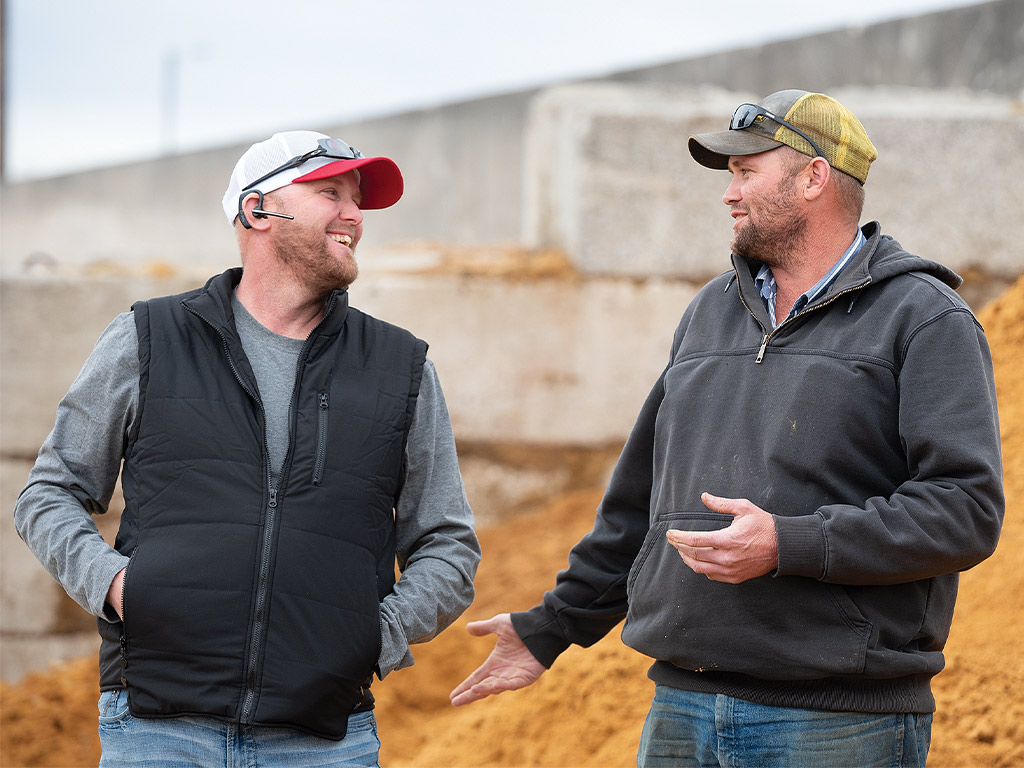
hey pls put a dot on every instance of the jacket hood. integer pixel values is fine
(884, 257)
(880, 258)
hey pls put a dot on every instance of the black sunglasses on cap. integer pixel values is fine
(748, 114)
(333, 148)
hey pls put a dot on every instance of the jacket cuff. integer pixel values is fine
(541, 634)
(102, 575)
(801, 543)
(394, 649)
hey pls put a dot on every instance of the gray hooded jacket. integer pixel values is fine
(867, 425)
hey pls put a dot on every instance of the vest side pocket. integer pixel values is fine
(124, 624)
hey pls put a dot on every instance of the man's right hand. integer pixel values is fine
(115, 594)
(510, 665)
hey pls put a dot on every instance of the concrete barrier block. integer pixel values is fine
(541, 361)
(30, 600)
(21, 654)
(49, 328)
(550, 361)
(610, 178)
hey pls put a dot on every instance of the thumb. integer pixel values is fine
(721, 504)
(489, 626)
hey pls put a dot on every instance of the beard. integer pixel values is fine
(311, 259)
(777, 234)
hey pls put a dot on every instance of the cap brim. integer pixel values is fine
(380, 181)
(713, 150)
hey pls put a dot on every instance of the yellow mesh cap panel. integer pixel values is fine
(836, 130)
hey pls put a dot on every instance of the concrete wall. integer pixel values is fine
(979, 48)
(462, 166)
(610, 179)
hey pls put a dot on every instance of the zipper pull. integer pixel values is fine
(760, 354)
(323, 400)
(273, 497)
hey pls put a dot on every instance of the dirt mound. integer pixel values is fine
(589, 709)
(49, 718)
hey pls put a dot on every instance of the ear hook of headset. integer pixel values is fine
(257, 212)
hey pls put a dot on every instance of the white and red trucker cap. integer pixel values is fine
(380, 180)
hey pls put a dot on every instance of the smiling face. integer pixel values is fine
(768, 222)
(319, 244)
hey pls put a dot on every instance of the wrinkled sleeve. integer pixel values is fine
(77, 467)
(589, 597)
(946, 516)
(436, 542)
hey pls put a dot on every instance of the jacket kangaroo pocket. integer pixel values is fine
(772, 628)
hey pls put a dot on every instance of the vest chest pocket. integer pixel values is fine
(322, 423)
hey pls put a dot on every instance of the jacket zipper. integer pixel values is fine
(256, 639)
(768, 334)
(321, 437)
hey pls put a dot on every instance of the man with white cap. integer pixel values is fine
(281, 452)
(836, 396)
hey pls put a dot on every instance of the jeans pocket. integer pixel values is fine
(359, 722)
(113, 707)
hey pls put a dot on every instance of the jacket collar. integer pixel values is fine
(879, 258)
(213, 304)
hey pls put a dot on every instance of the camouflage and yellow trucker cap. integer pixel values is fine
(812, 123)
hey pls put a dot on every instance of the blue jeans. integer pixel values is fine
(203, 742)
(705, 729)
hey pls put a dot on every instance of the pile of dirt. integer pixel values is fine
(588, 710)
(49, 718)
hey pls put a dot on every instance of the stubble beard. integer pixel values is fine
(310, 258)
(778, 235)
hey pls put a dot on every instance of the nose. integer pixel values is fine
(732, 192)
(351, 213)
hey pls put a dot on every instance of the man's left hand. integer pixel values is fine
(745, 550)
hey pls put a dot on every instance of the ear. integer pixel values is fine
(819, 172)
(252, 201)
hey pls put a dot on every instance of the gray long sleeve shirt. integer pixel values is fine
(78, 465)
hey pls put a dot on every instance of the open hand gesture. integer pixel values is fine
(509, 667)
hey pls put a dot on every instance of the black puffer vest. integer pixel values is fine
(254, 604)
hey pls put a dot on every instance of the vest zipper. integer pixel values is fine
(321, 437)
(261, 599)
(252, 655)
(254, 651)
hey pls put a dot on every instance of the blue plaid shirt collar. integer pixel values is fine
(765, 282)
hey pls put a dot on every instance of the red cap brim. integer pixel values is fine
(380, 181)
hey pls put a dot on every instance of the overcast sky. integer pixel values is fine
(96, 82)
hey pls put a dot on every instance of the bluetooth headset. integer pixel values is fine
(257, 212)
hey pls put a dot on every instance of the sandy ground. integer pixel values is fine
(588, 710)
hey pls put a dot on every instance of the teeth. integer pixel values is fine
(343, 239)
